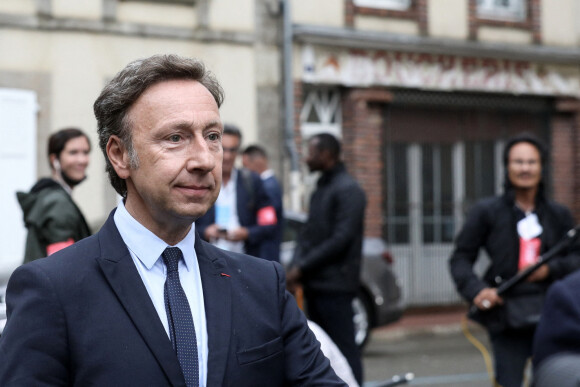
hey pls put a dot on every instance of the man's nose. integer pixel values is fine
(84, 159)
(201, 157)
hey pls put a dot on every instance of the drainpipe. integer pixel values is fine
(289, 107)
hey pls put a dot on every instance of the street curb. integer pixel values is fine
(427, 324)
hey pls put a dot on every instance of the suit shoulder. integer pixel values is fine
(246, 174)
(571, 281)
(345, 181)
(491, 203)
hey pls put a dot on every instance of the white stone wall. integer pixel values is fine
(561, 22)
(448, 18)
(319, 12)
(78, 53)
(391, 25)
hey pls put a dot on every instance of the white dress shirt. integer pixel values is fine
(146, 249)
(226, 213)
(267, 174)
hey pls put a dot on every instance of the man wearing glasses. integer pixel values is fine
(242, 217)
(514, 229)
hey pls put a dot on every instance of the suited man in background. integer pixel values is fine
(242, 218)
(146, 302)
(255, 159)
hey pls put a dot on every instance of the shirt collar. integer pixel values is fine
(145, 245)
(266, 174)
(233, 178)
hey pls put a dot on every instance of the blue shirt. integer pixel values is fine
(146, 249)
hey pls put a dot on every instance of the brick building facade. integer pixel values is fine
(424, 113)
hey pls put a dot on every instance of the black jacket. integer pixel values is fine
(51, 216)
(491, 224)
(330, 245)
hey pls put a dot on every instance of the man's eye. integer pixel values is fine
(214, 137)
(175, 138)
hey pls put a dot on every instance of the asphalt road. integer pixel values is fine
(436, 359)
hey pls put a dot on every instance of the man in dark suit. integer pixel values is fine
(558, 332)
(255, 159)
(242, 218)
(146, 302)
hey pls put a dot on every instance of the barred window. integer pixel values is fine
(398, 5)
(508, 10)
(180, 2)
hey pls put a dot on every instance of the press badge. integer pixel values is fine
(222, 216)
(529, 230)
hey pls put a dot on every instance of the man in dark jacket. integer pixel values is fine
(514, 229)
(255, 159)
(327, 258)
(51, 216)
(242, 218)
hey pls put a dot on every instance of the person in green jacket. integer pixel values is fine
(51, 216)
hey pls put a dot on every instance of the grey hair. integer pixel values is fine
(115, 100)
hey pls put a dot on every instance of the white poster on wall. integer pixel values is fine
(18, 110)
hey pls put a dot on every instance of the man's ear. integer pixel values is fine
(52, 158)
(118, 156)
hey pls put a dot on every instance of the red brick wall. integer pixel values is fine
(565, 125)
(563, 155)
(362, 112)
(363, 131)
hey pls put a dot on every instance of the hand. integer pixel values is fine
(293, 276)
(487, 298)
(237, 235)
(540, 274)
(212, 232)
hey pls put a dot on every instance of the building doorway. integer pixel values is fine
(442, 153)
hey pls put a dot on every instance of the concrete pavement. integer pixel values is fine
(428, 320)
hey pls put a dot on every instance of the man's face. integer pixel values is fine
(231, 147)
(254, 164)
(524, 166)
(74, 158)
(177, 135)
(315, 157)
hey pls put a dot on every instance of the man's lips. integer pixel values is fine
(193, 188)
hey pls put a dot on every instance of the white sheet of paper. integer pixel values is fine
(529, 227)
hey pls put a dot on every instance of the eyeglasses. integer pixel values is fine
(231, 150)
(521, 163)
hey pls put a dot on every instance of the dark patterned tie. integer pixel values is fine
(181, 328)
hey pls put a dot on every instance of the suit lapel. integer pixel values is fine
(216, 285)
(122, 275)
